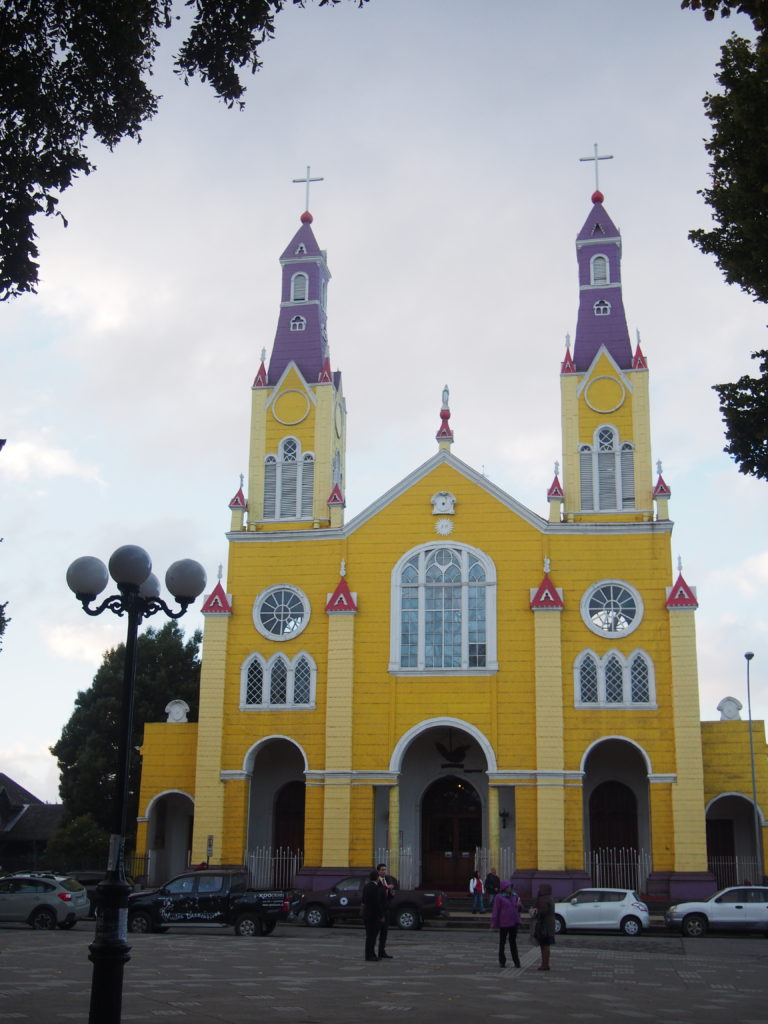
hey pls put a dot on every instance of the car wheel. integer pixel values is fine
(43, 917)
(407, 918)
(66, 925)
(559, 925)
(694, 926)
(315, 916)
(248, 925)
(631, 926)
(140, 923)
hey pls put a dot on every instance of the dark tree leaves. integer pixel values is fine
(738, 148)
(744, 406)
(757, 10)
(4, 620)
(72, 71)
(168, 667)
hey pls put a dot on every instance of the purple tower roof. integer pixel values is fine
(601, 318)
(301, 326)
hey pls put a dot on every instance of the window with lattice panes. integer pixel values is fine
(614, 681)
(442, 609)
(281, 682)
(588, 680)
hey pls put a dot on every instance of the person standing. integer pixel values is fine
(506, 917)
(388, 884)
(545, 924)
(492, 886)
(476, 892)
(373, 913)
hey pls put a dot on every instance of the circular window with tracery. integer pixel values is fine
(612, 608)
(281, 613)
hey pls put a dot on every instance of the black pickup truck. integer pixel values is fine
(408, 908)
(214, 896)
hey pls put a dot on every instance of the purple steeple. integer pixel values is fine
(601, 318)
(301, 326)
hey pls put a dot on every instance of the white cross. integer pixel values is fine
(306, 181)
(581, 159)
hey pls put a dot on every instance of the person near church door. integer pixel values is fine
(492, 886)
(476, 892)
(506, 917)
(388, 884)
(374, 913)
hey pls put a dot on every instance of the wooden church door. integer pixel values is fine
(451, 829)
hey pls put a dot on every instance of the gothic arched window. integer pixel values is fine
(443, 611)
(598, 270)
(607, 470)
(299, 288)
(281, 682)
(614, 681)
(289, 479)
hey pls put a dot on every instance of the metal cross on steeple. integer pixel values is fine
(582, 159)
(306, 180)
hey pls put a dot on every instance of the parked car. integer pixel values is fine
(603, 909)
(408, 908)
(42, 899)
(214, 896)
(738, 908)
(90, 879)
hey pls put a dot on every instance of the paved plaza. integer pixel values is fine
(439, 974)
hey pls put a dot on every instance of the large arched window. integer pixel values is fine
(443, 611)
(607, 471)
(289, 478)
(280, 682)
(613, 681)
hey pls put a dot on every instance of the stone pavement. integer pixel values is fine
(313, 976)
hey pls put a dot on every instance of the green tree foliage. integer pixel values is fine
(72, 71)
(744, 406)
(77, 843)
(738, 199)
(168, 667)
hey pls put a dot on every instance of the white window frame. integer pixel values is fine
(626, 668)
(491, 663)
(298, 323)
(301, 275)
(259, 603)
(266, 668)
(593, 278)
(602, 308)
(289, 484)
(607, 472)
(608, 634)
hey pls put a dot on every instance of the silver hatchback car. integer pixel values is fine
(603, 909)
(42, 899)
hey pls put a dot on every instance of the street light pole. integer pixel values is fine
(749, 655)
(138, 598)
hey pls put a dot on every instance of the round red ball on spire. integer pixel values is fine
(597, 196)
(306, 217)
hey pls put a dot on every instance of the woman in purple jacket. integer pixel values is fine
(506, 917)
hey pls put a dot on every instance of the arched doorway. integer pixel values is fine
(288, 826)
(451, 830)
(731, 848)
(613, 817)
(169, 844)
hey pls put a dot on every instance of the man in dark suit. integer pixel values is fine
(374, 913)
(388, 885)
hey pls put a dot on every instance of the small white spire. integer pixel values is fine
(637, 334)
(547, 564)
(343, 568)
(557, 467)
(242, 481)
(679, 565)
(220, 573)
(263, 355)
(658, 466)
(567, 341)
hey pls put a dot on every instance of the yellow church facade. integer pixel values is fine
(449, 680)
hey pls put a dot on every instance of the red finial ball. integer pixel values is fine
(597, 196)
(306, 217)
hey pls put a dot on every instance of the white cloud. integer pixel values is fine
(37, 460)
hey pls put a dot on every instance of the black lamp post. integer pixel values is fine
(756, 814)
(139, 597)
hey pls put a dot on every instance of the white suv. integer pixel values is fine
(740, 908)
(603, 909)
(42, 899)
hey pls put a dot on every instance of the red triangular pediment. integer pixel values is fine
(681, 595)
(324, 377)
(336, 497)
(341, 600)
(661, 490)
(556, 489)
(567, 365)
(260, 380)
(546, 596)
(638, 362)
(239, 500)
(217, 602)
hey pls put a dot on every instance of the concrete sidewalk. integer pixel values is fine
(438, 975)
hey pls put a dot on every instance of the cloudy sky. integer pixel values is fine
(448, 135)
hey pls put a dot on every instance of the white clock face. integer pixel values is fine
(444, 527)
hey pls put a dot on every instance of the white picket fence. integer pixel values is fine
(273, 869)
